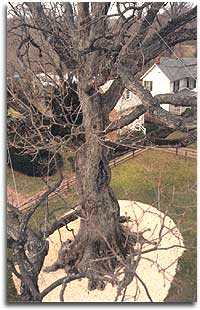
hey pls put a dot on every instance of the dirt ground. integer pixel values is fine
(15, 199)
(156, 269)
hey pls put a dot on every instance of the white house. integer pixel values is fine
(125, 104)
(169, 75)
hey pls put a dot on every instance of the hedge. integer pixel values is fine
(36, 166)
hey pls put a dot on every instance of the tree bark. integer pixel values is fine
(100, 241)
(28, 253)
(100, 233)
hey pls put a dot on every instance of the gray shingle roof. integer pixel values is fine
(176, 69)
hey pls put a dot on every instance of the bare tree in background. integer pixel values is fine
(92, 43)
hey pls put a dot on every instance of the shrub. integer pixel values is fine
(151, 127)
(38, 166)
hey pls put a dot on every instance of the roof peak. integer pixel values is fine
(176, 68)
(179, 68)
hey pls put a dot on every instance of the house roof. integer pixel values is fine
(176, 69)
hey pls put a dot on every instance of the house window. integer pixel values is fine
(191, 83)
(127, 94)
(176, 86)
(148, 85)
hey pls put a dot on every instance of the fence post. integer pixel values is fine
(114, 162)
(185, 153)
(176, 150)
(133, 152)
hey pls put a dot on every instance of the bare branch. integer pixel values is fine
(148, 19)
(60, 44)
(151, 104)
(150, 140)
(63, 221)
(177, 22)
(153, 47)
(145, 287)
(100, 9)
(184, 98)
(69, 15)
(113, 94)
(60, 281)
(126, 119)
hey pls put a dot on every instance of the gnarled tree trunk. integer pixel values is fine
(100, 239)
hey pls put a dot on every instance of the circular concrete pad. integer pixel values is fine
(156, 269)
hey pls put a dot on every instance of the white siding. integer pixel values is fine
(165, 106)
(183, 83)
(106, 86)
(139, 120)
(124, 105)
(177, 110)
(171, 87)
(161, 83)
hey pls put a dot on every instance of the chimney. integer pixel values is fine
(157, 60)
(178, 53)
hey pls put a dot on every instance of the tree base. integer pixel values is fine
(98, 258)
(141, 216)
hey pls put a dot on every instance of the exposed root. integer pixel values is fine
(60, 262)
(98, 258)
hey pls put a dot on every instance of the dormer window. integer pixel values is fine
(148, 85)
(191, 83)
(176, 86)
(127, 94)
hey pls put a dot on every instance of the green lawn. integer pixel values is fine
(139, 179)
(25, 184)
(178, 134)
(57, 206)
(31, 185)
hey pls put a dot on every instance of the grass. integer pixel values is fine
(140, 179)
(31, 185)
(57, 206)
(25, 184)
(193, 145)
(178, 134)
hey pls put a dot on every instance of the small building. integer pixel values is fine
(170, 75)
(124, 106)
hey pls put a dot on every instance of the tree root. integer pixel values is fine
(97, 258)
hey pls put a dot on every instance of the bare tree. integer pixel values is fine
(92, 43)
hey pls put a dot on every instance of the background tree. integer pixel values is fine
(171, 10)
(92, 43)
